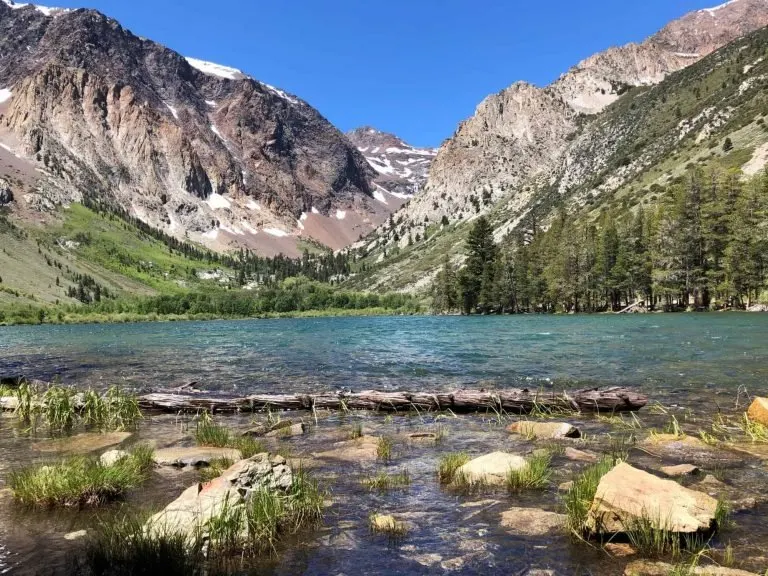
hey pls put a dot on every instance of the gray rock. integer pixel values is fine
(287, 431)
(194, 456)
(112, 457)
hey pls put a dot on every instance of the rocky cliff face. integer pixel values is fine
(197, 149)
(402, 169)
(517, 140)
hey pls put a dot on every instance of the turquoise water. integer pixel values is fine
(668, 351)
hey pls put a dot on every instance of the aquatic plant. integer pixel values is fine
(80, 481)
(578, 500)
(124, 548)
(534, 475)
(384, 449)
(57, 407)
(356, 431)
(383, 481)
(448, 464)
(209, 433)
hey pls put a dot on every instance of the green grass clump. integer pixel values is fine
(356, 431)
(209, 433)
(534, 476)
(383, 481)
(80, 481)
(125, 548)
(384, 449)
(449, 463)
(578, 499)
(754, 430)
(215, 468)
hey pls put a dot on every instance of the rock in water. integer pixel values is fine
(491, 468)
(680, 470)
(758, 411)
(287, 431)
(544, 430)
(627, 495)
(531, 521)
(201, 502)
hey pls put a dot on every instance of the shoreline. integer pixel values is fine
(133, 318)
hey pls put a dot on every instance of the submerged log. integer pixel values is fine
(516, 400)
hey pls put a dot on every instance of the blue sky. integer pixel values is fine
(412, 67)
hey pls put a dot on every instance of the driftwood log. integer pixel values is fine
(515, 400)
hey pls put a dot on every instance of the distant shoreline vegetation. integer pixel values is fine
(294, 297)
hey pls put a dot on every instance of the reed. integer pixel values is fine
(449, 464)
(534, 476)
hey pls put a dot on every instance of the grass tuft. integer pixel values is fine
(384, 449)
(578, 500)
(449, 463)
(209, 433)
(356, 431)
(383, 481)
(80, 481)
(534, 476)
(215, 468)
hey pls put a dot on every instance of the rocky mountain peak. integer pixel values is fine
(401, 169)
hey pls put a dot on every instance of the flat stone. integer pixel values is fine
(82, 443)
(620, 550)
(544, 430)
(688, 448)
(287, 431)
(626, 495)
(76, 535)
(565, 486)
(492, 468)
(531, 521)
(193, 456)
(580, 455)
(422, 437)
(758, 411)
(680, 470)
(112, 457)
(648, 568)
(363, 449)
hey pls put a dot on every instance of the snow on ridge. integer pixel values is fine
(379, 196)
(45, 10)
(340, 214)
(213, 69)
(217, 201)
(720, 7)
(173, 111)
(5, 95)
(315, 210)
(276, 232)
(211, 103)
(280, 93)
(415, 151)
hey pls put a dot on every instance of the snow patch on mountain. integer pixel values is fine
(213, 69)
(217, 201)
(5, 95)
(720, 7)
(46, 10)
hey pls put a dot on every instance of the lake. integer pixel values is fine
(669, 351)
(694, 364)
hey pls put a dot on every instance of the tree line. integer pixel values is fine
(703, 246)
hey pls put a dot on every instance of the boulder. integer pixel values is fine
(626, 495)
(82, 443)
(580, 455)
(648, 568)
(287, 431)
(758, 411)
(531, 521)
(194, 456)
(6, 196)
(491, 469)
(199, 503)
(544, 430)
(112, 457)
(680, 470)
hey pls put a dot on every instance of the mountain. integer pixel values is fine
(91, 112)
(528, 149)
(402, 169)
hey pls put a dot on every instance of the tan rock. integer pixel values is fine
(648, 568)
(363, 449)
(77, 535)
(287, 431)
(82, 443)
(565, 486)
(112, 457)
(386, 523)
(620, 550)
(492, 468)
(688, 448)
(681, 470)
(758, 411)
(531, 521)
(193, 456)
(626, 495)
(580, 455)
(544, 430)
